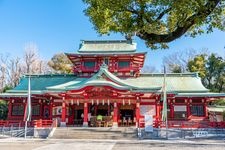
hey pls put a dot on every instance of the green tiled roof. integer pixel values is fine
(13, 95)
(175, 82)
(107, 46)
(40, 82)
(207, 94)
(187, 84)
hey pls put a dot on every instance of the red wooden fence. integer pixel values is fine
(35, 123)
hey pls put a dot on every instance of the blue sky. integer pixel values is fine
(59, 25)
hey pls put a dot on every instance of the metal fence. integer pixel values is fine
(162, 133)
(15, 131)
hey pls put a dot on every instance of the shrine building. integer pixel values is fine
(107, 82)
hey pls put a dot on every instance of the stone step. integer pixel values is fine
(94, 133)
(97, 129)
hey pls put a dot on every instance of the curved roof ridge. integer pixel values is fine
(191, 74)
(110, 52)
(80, 86)
(107, 41)
(107, 45)
(104, 70)
(48, 75)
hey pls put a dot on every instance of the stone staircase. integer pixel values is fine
(121, 133)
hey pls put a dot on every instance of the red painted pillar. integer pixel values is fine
(171, 111)
(50, 110)
(41, 109)
(50, 107)
(205, 109)
(96, 108)
(137, 114)
(188, 111)
(188, 108)
(115, 115)
(158, 110)
(63, 115)
(159, 113)
(109, 112)
(9, 109)
(85, 121)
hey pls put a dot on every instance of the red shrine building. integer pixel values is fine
(107, 81)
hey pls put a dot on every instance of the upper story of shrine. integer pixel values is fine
(120, 56)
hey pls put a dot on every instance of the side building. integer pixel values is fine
(107, 82)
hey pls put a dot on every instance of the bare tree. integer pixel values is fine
(32, 61)
(177, 62)
(11, 69)
(14, 71)
(3, 71)
(42, 67)
(30, 57)
(148, 69)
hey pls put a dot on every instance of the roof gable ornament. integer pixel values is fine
(104, 66)
(101, 72)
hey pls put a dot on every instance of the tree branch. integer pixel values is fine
(153, 38)
(163, 13)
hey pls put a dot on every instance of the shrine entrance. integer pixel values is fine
(102, 110)
(78, 115)
(102, 106)
(127, 115)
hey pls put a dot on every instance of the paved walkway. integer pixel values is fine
(62, 144)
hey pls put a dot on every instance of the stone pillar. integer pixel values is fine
(85, 121)
(115, 115)
(137, 114)
(63, 115)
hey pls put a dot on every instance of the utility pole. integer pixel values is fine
(27, 113)
(164, 114)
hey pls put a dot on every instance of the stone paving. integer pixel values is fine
(59, 144)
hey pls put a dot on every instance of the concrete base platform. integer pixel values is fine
(85, 124)
(115, 125)
(62, 124)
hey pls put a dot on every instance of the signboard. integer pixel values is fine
(200, 133)
(147, 110)
(148, 123)
(57, 110)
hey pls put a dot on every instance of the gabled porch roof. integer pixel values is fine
(103, 78)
